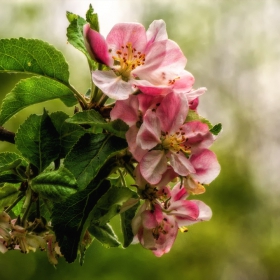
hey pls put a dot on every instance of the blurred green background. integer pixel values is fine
(233, 49)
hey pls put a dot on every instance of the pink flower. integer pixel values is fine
(156, 223)
(137, 58)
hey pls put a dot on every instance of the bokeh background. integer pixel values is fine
(233, 49)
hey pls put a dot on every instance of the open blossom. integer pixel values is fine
(157, 222)
(148, 60)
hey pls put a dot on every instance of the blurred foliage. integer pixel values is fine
(230, 46)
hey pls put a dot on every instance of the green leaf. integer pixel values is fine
(55, 185)
(10, 161)
(216, 129)
(37, 140)
(92, 19)
(92, 117)
(76, 38)
(32, 91)
(10, 177)
(194, 116)
(70, 219)
(90, 153)
(69, 133)
(33, 57)
(109, 204)
(105, 235)
(8, 194)
(126, 218)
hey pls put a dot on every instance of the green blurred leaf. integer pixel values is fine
(33, 57)
(216, 129)
(126, 218)
(76, 38)
(70, 219)
(9, 161)
(109, 204)
(92, 117)
(69, 133)
(10, 177)
(90, 153)
(32, 91)
(105, 235)
(194, 116)
(37, 140)
(8, 194)
(55, 185)
(92, 19)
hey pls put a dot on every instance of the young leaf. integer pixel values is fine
(69, 133)
(216, 129)
(32, 91)
(55, 185)
(90, 153)
(92, 117)
(37, 140)
(76, 38)
(10, 161)
(126, 218)
(33, 57)
(92, 19)
(105, 235)
(109, 204)
(8, 194)
(70, 219)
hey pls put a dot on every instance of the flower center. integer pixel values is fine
(127, 59)
(175, 142)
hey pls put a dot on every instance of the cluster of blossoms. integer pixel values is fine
(144, 72)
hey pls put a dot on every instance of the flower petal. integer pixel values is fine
(156, 31)
(181, 164)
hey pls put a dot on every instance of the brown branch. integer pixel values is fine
(6, 135)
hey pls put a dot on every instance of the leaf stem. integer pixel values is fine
(130, 169)
(79, 96)
(122, 178)
(26, 206)
(20, 196)
(6, 135)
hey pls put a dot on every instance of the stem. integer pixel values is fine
(130, 169)
(6, 135)
(26, 206)
(38, 214)
(122, 178)
(79, 96)
(102, 100)
(7, 210)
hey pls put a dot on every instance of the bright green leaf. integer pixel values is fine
(69, 133)
(8, 194)
(37, 140)
(33, 57)
(32, 91)
(216, 129)
(92, 19)
(55, 185)
(90, 153)
(92, 117)
(105, 235)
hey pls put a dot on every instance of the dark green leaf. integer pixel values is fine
(70, 219)
(92, 117)
(9, 161)
(10, 177)
(69, 133)
(216, 129)
(76, 38)
(32, 91)
(126, 218)
(33, 57)
(92, 19)
(105, 235)
(55, 185)
(8, 194)
(37, 140)
(90, 153)
(109, 204)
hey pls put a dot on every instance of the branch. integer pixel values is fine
(6, 135)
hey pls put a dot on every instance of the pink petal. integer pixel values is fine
(126, 110)
(156, 31)
(184, 83)
(206, 165)
(205, 212)
(151, 89)
(96, 45)
(178, 192)
(185, 211)
(181, 164)
(123, 33)
(172, 112)
(193, 94)
(111, 84)
(149, 133)
(153, 165)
